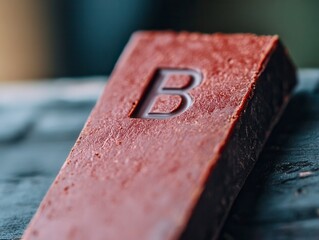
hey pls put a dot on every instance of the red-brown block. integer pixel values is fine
(171, 141)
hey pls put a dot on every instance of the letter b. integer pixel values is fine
(157, 88)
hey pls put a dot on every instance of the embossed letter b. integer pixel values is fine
(157, 87)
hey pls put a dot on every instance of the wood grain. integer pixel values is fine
(278, 201)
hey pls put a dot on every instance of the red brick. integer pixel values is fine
(134, 178)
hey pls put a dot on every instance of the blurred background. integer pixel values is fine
(72, 45)
(47, 39)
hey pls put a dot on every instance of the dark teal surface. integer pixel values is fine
(280, 199)
(39, 125)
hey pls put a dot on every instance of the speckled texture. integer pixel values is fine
(129, 178)
(262, 111)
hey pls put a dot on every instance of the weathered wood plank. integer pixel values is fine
(280, 200)
(39, 124)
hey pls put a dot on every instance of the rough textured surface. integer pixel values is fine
(124, 173)
(279, 199)
(39, 124)
(243, 148)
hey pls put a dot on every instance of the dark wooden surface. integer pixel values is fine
(39, 123)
